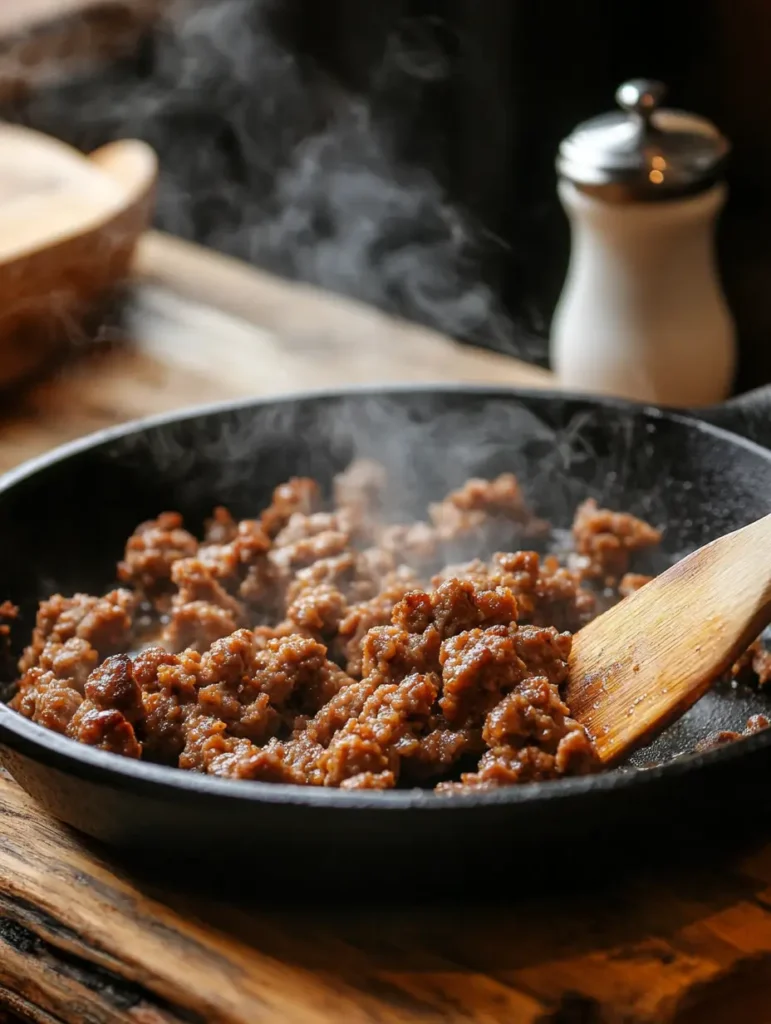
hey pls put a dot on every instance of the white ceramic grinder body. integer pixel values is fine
(642, 314)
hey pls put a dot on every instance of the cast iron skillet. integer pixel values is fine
(64, 519)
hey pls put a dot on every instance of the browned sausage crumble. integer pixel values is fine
(322, 646)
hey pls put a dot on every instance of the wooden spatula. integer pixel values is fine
(644, 662)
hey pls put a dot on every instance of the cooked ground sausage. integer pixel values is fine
(756, 661)
(327, 647)
(608, 539)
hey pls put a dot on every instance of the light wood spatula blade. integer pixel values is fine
(648, 659)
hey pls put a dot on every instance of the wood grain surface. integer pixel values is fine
(43, 42)
(199, 327)
(82, 941)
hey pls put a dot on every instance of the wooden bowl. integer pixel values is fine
(68, 228)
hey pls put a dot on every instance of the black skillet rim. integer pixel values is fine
(100, 766)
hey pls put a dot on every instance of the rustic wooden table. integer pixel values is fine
(85, 940)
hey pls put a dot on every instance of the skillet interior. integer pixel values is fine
(64, 524)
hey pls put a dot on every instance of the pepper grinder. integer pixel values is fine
(642, 314)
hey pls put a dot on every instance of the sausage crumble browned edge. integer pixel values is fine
(323, 646)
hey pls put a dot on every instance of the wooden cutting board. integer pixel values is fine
(199, 327)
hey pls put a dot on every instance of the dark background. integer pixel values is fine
(402, 151)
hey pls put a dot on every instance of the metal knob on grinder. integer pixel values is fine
(643, 151)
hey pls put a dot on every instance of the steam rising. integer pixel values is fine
(431, 442)
(264, 156)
